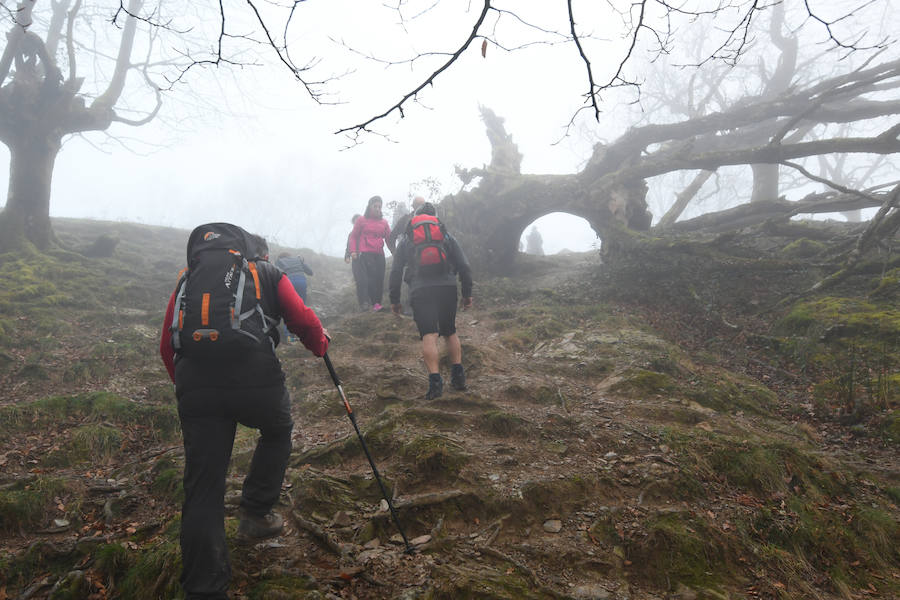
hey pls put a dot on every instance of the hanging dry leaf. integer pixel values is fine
(483, 48)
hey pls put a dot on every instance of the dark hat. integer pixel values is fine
(426, 209)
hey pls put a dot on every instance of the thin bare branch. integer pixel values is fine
(399, 106)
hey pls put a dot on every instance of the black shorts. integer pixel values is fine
(434, 310)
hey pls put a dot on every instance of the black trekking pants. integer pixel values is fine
(208, 421)
(359, 280)
(373, 264)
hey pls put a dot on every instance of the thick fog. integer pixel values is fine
(248, 145)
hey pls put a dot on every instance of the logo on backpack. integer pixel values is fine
(218, 303)
(428, 236)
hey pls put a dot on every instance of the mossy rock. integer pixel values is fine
(380, 438)
(679, 548)
(319, 493)
(435, 456)
(23, 506)
(542, 394)
(433, 419)
(834, 317)
(729, 394)
(557, 495)
(803, 248)
(504, 424)
(643, 381)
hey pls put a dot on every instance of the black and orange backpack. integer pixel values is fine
(218, 304)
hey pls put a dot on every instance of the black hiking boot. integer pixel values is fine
(435, 386)
(253, 527)
(457, 377)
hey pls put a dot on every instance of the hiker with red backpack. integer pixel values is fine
(367, 245)
(218, 344)
(430, 260)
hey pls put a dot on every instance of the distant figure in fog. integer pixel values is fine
(296, 269)
(359, 277)
(402, 222)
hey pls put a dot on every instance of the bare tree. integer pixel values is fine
(71, 67)
(41, 104)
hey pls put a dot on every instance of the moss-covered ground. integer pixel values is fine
(692, 422)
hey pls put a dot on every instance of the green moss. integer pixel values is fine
(481, 582)
(160, 420)
(846, 317)
(167, 480)
(893, 492)
(753, 468)
(844, 541)
(24, 505)
(503, 424)
(323, 494)
(890, 427)
(95, 442)
(435, 456)
(285, 587)
(71, 586)
(803, 248)
(644, 381)
(154, 571)
(554, 495)
(679, 549)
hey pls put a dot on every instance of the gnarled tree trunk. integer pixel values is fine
(27, 212)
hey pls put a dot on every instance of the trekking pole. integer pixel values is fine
(337, 384)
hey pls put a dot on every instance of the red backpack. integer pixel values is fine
(428, 235)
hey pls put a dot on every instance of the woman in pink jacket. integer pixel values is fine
(367, 246)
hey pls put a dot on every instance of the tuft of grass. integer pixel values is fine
(92, 442)
(24, 505)
(152, 571)
(161, 420)
(167, 480)
(680, 549)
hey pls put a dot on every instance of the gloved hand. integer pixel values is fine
(396, 308)
(466, 303)
(324, 348)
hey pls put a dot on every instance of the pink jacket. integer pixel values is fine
(368, 235)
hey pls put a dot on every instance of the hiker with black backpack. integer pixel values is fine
(429, 260)
(218, 345)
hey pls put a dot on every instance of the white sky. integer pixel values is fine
(270, 160)
(251, 147)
